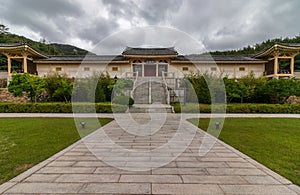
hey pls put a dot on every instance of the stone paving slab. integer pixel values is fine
(76, 169)
(186, 189)
(116, 188)
(256, 189)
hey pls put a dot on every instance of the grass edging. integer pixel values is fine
(238, 108)
(59, 107)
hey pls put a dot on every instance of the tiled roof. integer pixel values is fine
(264, 52)
(214, 58)
(291, 44)
(21, 46)
(149, 51)
(11, 44)
(88, 58)
(122, 58)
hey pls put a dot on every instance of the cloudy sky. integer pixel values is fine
(218, 24)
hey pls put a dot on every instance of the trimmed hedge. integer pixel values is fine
(107, 108)
(240, 108)
(59, 107)
(123, 100)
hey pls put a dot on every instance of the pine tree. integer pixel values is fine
(3, 29)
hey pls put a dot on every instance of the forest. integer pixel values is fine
(43, 46)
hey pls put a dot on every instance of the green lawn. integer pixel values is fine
(24, 142)
(274, 142)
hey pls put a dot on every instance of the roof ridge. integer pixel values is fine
(128, 47)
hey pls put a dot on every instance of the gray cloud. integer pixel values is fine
(119, 8)
(49, 18)
(220, 25)
(156, 11)
(97, 30)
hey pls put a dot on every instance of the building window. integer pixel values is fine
(242, 69)
(137, 68)
(163, 61)
(213, 69)
(185, 68)
(86, 68)
(58, 69)
(115, 69)
(137, 61)
(162, 68)
(150, 61)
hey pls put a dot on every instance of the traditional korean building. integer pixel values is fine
(154, 62)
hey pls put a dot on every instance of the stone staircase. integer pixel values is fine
(158, 93)
(150, 96)
(141, 92)
(151, 108)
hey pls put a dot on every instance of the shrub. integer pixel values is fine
(244, 89)
(96, 88)
(239, 108)
(123, 100)
(205, 88)
(103, 90)
(58, 87)
(196, 83)
(247, 89)
(31, 84)
(60, 107)
(81, 91)
(278, 90)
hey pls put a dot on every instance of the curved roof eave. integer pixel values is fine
(21, 47)
(279, 46)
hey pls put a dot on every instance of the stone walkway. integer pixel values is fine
(104, 115)
(176, 158)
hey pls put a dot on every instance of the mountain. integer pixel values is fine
(48, 49)
(250, 50)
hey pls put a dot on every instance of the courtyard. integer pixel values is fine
(93, 166)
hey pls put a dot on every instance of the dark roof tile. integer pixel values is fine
(11, 44)
(214, 57)
(149, 51)
(89, 58)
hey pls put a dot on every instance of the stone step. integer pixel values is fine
(151, 108)
(141, 92)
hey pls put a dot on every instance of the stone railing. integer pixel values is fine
(166, 87)
(135, 76)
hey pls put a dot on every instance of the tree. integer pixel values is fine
(58, 87)
(233, 89)
(249, 84)
(31, 84)
(103, 90)
(278, 90)
(197, 89)
(3, 29)
(96, 88)
(64, 91)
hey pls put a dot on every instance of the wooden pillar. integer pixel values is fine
(25, 63)
(9, 65)
(234, 71)
(292, 65)
(276, 65)
(143, 70)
